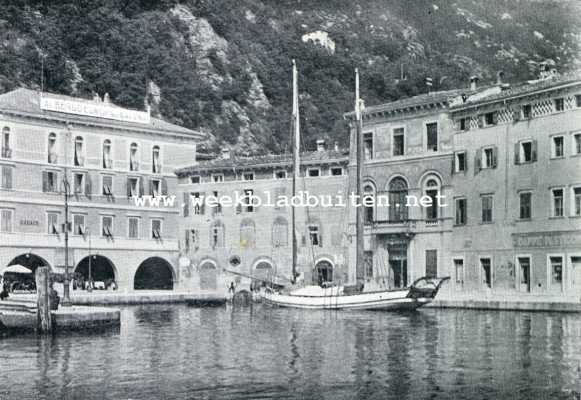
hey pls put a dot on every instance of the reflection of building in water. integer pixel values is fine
(109, 154)
(256, 239)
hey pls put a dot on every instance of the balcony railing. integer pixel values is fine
(6, 152)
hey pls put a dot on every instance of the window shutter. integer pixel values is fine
(465, 162)
(495, 117)
(477, 161)
(45, 181)
(187, 240)
(186, 204)
(88, 185)
(164, 186)
(128, 188)
(150, 183)
(141, 188)
(534, 151)
(203, 205)
(453, 163)
(517, 153)
(480, 121)
(494, 156)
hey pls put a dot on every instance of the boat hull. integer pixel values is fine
(335, 298)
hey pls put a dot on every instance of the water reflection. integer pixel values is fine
(179, 352)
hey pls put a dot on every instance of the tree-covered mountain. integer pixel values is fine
(224, 66)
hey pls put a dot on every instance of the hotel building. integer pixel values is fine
(108, 154)
(254, 238)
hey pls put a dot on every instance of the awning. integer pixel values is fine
(18, 269)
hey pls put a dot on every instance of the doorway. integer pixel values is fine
(525, 274)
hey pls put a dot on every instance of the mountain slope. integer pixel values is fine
(224, 66)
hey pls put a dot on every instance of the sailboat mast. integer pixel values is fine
(359, 267)
(296, 140)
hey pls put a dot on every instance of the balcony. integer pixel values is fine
(406, 225)
(6, 152)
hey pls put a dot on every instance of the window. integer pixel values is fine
(78, 224)
(315, 235)
(558, 147)
(432, 189)
(280, 174)
(6, 220)
(107, 160)
(79, 157)
(248, 176)
(52, 221)
(198, 202)
(217, 178)
(52, 150)
(368, 210)
(195, 179)
(49, 181)
(558, 205)
(431, 263)
(460, 162)
(107, 226)
(398, 191)
(461, 211)
(133, 227)
(527, 111)
(78, 183)
(490, 119)
(368, 146)
(578, 100)
(217, 234)
(6, 148)
(280, 232)
(249, 200)
(247, 234)
(156, 160)
(279, 193)
(459, 271)
(368, 263)
(488, 157)
(525, 152)
(577, 201)
(313, 172)
(486, 208)
(107, 185)
(432, 136)
(133, 187)
(134, 157)
(217, 209)
(155, 188)
(7, 177)
(577, 143)
(336, 171)
(559, 104)
(525, 205)
(464, 123)
(486, 272)
(556, 265)
(524, 265)
(398, 142)
(156, 228)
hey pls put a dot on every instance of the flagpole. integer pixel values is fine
(295, 140)
(359, 231)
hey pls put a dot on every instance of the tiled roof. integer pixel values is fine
(442, 96)
(27, 102)
(526, 88)
(273, 160)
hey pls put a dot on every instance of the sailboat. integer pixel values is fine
(421, 292)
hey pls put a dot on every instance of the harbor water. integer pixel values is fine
(175, 351)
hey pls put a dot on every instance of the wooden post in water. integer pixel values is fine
(44, 319)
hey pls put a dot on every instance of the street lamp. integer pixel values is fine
(66, 189)
(90, 288)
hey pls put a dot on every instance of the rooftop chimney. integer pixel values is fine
(473, 82)
(226, 154)
(321, 145)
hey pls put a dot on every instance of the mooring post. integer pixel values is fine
(44, 319)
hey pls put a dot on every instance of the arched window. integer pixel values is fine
(6, 149)
(107, 161)
(368, 210)
(280, 232)
(217, 234)
(398, 190)
(52, 151)
(315, 232)
(247, 234)
(432, 190)
(133, 157)
(156, 162)
(79, 158)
